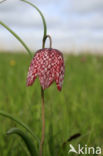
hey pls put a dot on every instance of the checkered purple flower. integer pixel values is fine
(48, 65)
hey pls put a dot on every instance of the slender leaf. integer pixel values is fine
(26, 139)
(20, 123)
(17, 37)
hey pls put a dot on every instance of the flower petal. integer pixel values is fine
(48, 65)
(32, 73)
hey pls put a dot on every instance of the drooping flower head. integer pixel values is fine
(48, 65)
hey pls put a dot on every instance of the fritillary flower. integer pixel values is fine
(48, 65)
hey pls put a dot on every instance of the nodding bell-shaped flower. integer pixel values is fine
(48, 65)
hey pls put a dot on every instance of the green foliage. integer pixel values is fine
(77, 109)
(51, 140)
(28, 141)
(20, 123)
(17, 37)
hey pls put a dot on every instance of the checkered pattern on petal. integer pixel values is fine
(48, 65)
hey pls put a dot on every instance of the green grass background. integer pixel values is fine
(78, 108)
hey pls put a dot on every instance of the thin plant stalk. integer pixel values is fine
(42, 91)
(42, 112)
(44, 40)
(45, 36)
(43, 103)
(43, 122)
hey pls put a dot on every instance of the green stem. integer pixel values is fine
(17, 37)
(43, 103)
(42, 16)
(43, 122)
(20, 123)
(44, 40)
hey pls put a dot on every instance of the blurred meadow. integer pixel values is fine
(78, 108)
(76, 27)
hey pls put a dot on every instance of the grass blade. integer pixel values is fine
(17, 37)
(26, 139)
(20, 123)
